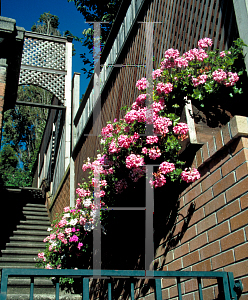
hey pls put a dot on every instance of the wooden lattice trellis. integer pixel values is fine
(44, 63)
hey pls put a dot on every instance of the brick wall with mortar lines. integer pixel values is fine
(60, 199)
(217, 235)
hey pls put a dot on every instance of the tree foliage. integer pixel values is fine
(23, 126)
(23, 129)
(47, 24)
(95, 11)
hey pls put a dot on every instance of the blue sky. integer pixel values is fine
(27, 12)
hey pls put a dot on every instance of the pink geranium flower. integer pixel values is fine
(151, 139)
(154, 153)
(165, 88)
(205, 42)
(181, 128)
(219, 75)
(166, 167)
(190, 175)
(134, 161)
(142, 84)
(74, 238)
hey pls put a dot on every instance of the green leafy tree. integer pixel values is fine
(23, 126)
(95, 11)
(47, 24)
(23, 129)
(8, 164)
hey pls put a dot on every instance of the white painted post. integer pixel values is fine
(190, 121)
(68, 92)
(75, 103)
(75, 106)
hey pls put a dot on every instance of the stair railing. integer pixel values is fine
(228, 288)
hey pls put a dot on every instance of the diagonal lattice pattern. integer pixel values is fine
(44, 63)
(43, 53)
(54, 83)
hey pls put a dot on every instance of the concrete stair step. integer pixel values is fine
(34, 213)
(24, 245)
(30, 233)
(33, 217)
(17, 259)
(19, 264)
(19, 252)
(35, 222)
(26, 238)
(32, 227)
(41, 208)
(35, 205)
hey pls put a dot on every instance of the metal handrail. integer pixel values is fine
(229, 288)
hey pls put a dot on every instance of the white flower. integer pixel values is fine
(49, 229)
(87, 202)
(92, 213)
(102, 141)
(73, 222)
(67, 215)
(54, 244)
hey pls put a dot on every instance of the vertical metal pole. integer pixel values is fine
(4, 285)
(158, 289)
(179, 288)
(97, 99)
(109, 291)
(132, 291)
(200, 288)
(224, 287)
(97, 226)
(86, 295)
(32, 288)
(149, 69)
(149, 243)
(57, 288)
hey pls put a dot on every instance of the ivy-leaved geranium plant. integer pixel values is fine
(127, 149)
(199, 73)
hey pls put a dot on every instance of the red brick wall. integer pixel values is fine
(216, 238)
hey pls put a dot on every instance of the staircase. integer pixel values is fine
(27, 240)
(22, 248)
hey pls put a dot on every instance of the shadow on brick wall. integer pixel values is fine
(123, 247)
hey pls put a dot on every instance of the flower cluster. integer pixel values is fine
(190, 175)
(197, 73)
(67, 234)
(127, 148)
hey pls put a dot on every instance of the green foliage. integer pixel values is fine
(47, 24)
(23, 129)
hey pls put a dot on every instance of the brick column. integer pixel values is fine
(3, 71)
